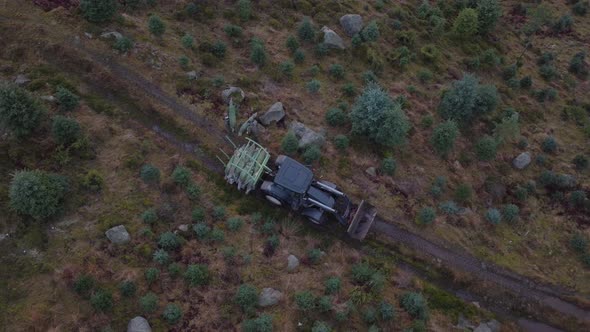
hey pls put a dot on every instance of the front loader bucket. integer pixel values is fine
(362, 221)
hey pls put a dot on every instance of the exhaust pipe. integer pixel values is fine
(323, 206)
(329, 189)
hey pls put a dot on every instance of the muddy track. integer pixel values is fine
(454, 259)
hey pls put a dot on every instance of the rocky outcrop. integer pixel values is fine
(351, 24)
(332, 40)
(118, 235)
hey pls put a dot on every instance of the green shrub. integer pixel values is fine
(361, 273)
(244, 10)
(83, 285)
(526, 82)
(261, 324)
(386, 311)
(149, 303)
(246, 297)
(549, 144)
(191, 9)
(127, 288)
(332, 285)
(149, 173)
(313, 86)
(197, 275)
(321, 50)
(563, 24)
(156, 26)
(102, 300)
(488, 13)
(379, 117)
(509, 72)
(312, 153)
(467, 99)
(290, 143)
(123, 45)
(151, 275)
(172, 314)
(98, 11)
(508, 129)
(463, 193)
(324, 304)
(181, 176)
(320, 326)
(174, 269)
(149, 216)
(292, 44)
(198, 215)
(219, 212)
(493, 216)
(169, 241)
(314, 255)
(369, 315)
(388, 166)
(193, 191)
(510, 213)
(370, 33)
(580, 162)
(93, 181)
(578, 199)
(161, 257)
(466, 24)
(20, 112)
(233, 31)
(234, 224)
(218, 49)
(548, 72)
(258, 52)
(305, 300)
(201, 230)
(184, 61)
(425, 75)
(336, 117)
(579, 243)
(67, 100)
(188, 41)
(306, 30)
(341, 142)
(427, 215)
(486, 148)
(287, 69)
(430, 53)
(337, 71)
(65, 131)
(37, 194)
(578, 65)
(449, 208)
(444, 136)
(349, 90)
(415, 304)
(580, 8)
(299, 56)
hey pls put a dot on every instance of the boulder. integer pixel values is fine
(522, 161)
(269, 297)
(371, 171)
(111, 34)
(183, 228)
(274, 114)
(50, 99)
(118, 235)
(351, 24)
(234, 93)
(332, 40)
(292, 263)
(139, 324)
(306, 136)
(21, 80)
(491, 326)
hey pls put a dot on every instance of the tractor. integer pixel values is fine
(290, 184)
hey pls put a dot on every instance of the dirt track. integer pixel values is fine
(522, 287)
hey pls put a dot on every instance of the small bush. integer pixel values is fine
(463, 193)
(320, 326)
(332, 285)
(488, 13)
(579, 243)
(181, 176)
(83, 285)
(526, 82)
(314, 255)
(197, 275)
(336, 117)
(127, 288)
(150, 173)
(193, 191)
(427, 215)
(425, 75)
(188, 41)
(467, 99)
(493, 216)
(388, 166)
(151, 275)
(466, 23)
(386, 311)
(313, 86)
(258, 53)
(93, 181)
(149, 216)
(563, 24)
(156, 26)
(234, 224)
(102, 300)
(169, 241)
(37, 194)
(324, 304)
(549, 145)
(233, 31)
(161, 257)
(149, 303)
(449, 208)
(198, 215)
(172, 314)
(341, 142)
(20, 112)
(349, 90)
(261, 324)
(306, 30)
(369, 315)
(201, 230)
(290, 143)
(299, 56)
(312, 153)
(580, 162)
(67, 100)
(191, 9)
(578, 65)
(415, 305)
(337, 71)
(244, 10)
(65, 131)
(305, 300)
(219, 212)
(486, 148)
(218, 49)
(184, 62)
(123, 45)
(444, 136)
(292, 44)
(581, 7)
(98, 11)
(578, 199)
(174, 270)
(510, 213)
(430, 53)
(361, 273)
(371, 32)
(287, 69)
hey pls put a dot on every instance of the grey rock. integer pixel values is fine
(491, 326)
(464, 324)
(483, 327)
(50, 99)
(352, 24)
(306, 136)
(371, 171)
(88, 35)
(118, 235)
(21, 80)
(234, 93)
(192, 75)
(274, 114)
(111, 34)
(332, 40)
(292, 263)
(522, 161)
(183, 228)
(139, 324)
(269, 297)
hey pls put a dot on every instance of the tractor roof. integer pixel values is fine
(293, 176)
